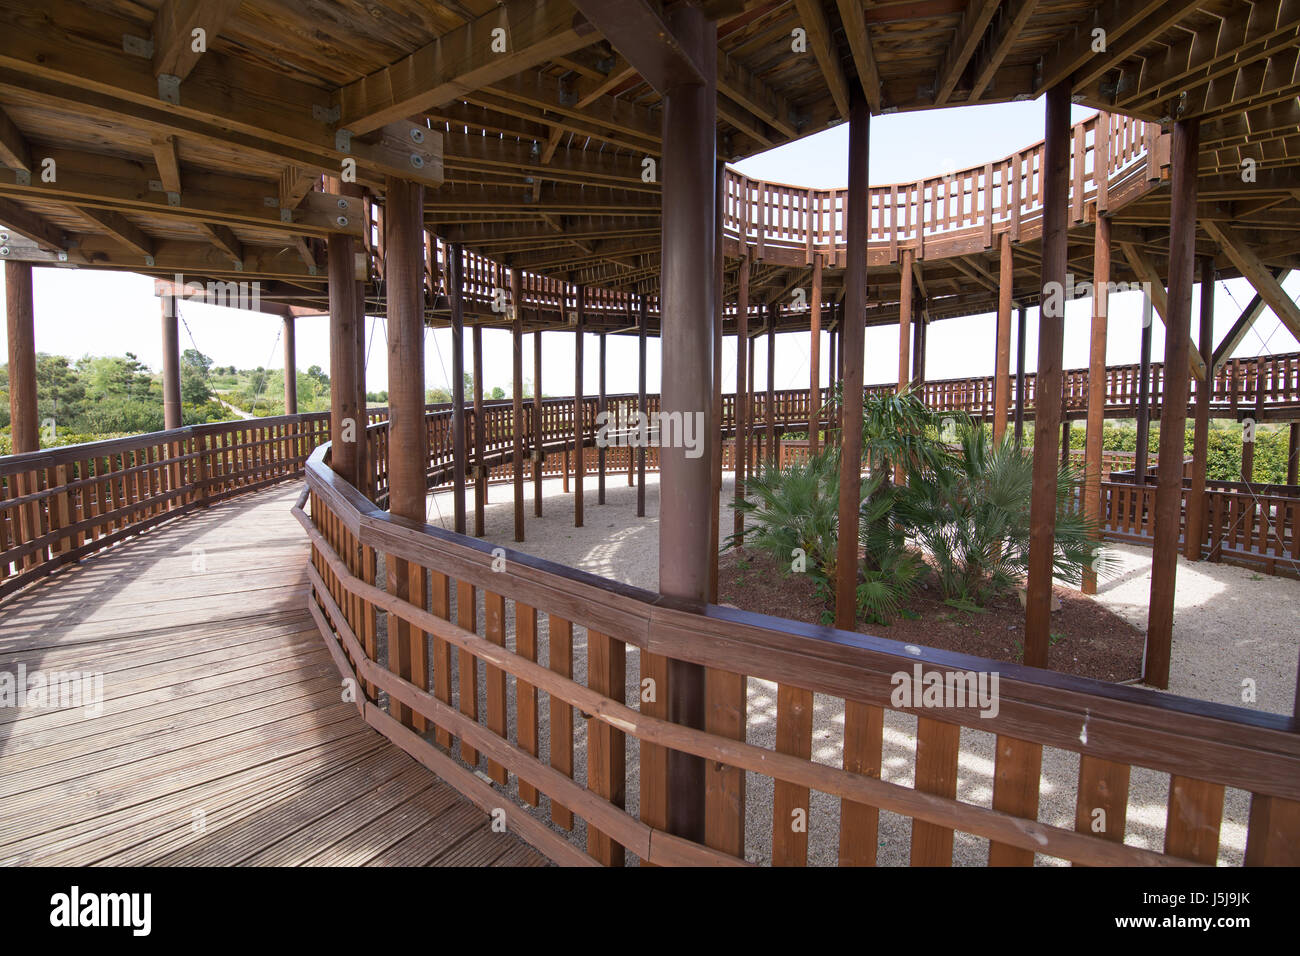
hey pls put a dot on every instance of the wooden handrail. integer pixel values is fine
(1219, 745)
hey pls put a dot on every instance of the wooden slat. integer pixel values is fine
(466, 663)
(937, 746)
(495, 607)
(859, 823)
(1192, 824)
(606, 746)
(1101, 807)
(725, 701)
(790, 810)
(560, 644)
(1016, 771)
(526, 694)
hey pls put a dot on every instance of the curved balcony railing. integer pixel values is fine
(398, 641)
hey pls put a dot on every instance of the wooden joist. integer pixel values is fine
(813, 19)
(1146, 272)
(1249, 265)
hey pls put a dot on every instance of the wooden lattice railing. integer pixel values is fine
(582, 663)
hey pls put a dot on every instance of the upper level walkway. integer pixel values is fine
(221, 736)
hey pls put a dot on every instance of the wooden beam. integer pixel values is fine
(174, 27)
(463, 60)
(737, 82)
(45, 234)
(120, 228)
(224, 239)
(1122, 44)
(14, 151)
(295, 183)
(1114, 17)
(1146, 272)
(1258, 274)
(637, 30)
(973, 23)
(1245, 322)
(1005, 34)
(853, 16)
(167, 158)
(813, 19)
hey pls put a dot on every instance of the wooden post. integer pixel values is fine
(601, 409)
(1292, 452)
(743, 375)
(357, 275)
(517, 398)
(832, 365)
(689, 220)
(21, 326)
(457, 309)
(1047, 400)
(905, 320)
(773, 312)
(1020, 378)
(1201, 429)
(715, 415)
(1173, 407)
(579, 426)
(1248, 447)
(539, 439)
(856, 215)
(480, 468)
(814, 362)
(171, 349)
(1144, 397)
(347, 421)
(1002, 352)
(642, 319)
(290, 366)
(1092, 454)
(408, 436)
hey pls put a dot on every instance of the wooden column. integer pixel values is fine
(347, 420)
(854, 324)
(1292, 452)
(457, 309)
(773, 312)
(517, 396)
(290, 366)
(358, 275)
(21, 326)
(743, 373)
(171, 349)
(408, 451)
(579, 425)
(1144, 395)
(601, 409)
(905, 320)
(539, 439)
(833, 365)
(1096, 383)
(1173, 406)
(642, 319)
(1047, 400)
(1002, 353)
(1201, 428)
(715, 416)
(480, 469)
(688, 223)
(756, 441)
(814, 360)
(1019, 416)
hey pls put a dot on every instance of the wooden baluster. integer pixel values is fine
(526, 694)
(1017, 769)
(1101, 805)
(467, 663)
(725, 705)
(937, 746)
(560, 644)
(790, 810)
(859, 823)
(606, 746)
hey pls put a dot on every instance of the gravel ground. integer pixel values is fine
(1230, 625)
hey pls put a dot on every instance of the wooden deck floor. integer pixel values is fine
(222, 738)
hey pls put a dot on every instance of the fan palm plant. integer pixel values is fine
(973, 520)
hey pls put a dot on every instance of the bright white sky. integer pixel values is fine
(82, 312)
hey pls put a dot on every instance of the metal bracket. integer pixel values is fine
(137, 46)
(149, 261)
(323, 114)
(239, 265)
(173, 199)
(169, 88)
(343, 140)
(63, 256)
(156, 186)
(286, 214)
(22, 177)
(311, 270)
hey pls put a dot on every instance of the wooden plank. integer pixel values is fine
(1273, 838)
(495, 607)
(606, 746)
(1194, 815)
(1017, 768)
(560, 648)
(937, 746)
(526, 694)
(1101, 807)
(466, 663)
(859, 823)
(725, 704)
(790, 809)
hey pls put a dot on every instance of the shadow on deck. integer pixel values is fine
(222, 738)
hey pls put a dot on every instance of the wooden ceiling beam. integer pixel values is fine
(1121, 45)
(1075, 51)
(814, 21)
(637, 29)
(1006, 31)
(14, 150)
(120, 228)
(225, 240)
(974, 21)
(737, 82)
(46, 235)
(1146, 272)
(853, 16)
(174, 33)
(1245, 322)
(463, 60)
(167, 158)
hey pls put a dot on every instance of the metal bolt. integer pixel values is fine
(342, 220)
(417, 134)
(417, 160)
(343, 204)
(4, 250)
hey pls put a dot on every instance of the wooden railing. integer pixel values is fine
(1113, 160)
(61, 504)
(560, 649)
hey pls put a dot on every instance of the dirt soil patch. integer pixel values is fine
(1088, 640)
